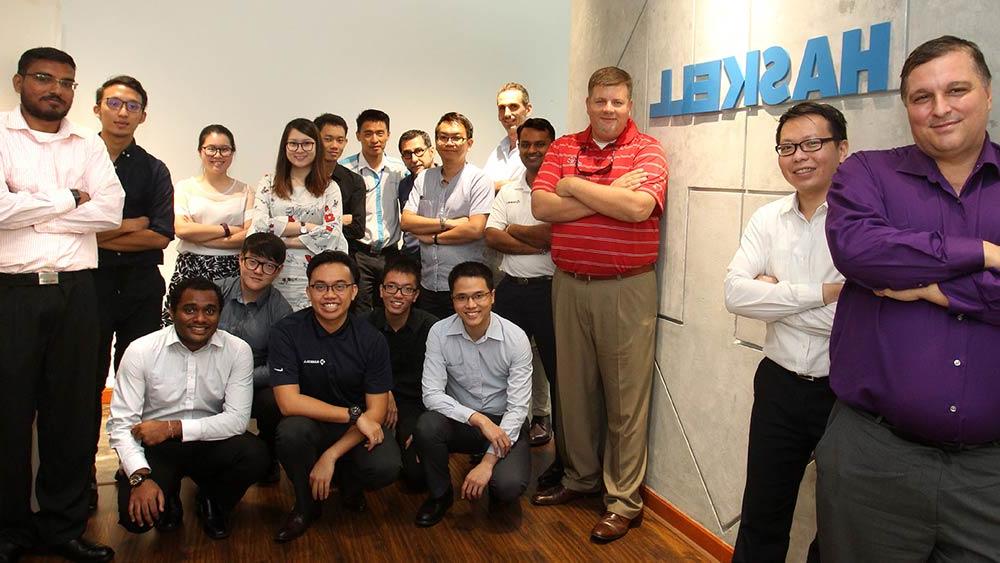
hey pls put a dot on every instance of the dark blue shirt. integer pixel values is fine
(337, 368)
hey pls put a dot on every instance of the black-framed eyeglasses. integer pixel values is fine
(450, 139)
(478, 297)
(588, 171)
(46, 79)
(809, 145)
(393, 289)
(212, 150)
(414, 153)
(338, 287)
(267, 267)
(115, 104)
(306, 146)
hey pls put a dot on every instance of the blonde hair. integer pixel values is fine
(610, 76)
(515, 86)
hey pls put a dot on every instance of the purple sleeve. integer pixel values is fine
(872, 252)
(976, 295)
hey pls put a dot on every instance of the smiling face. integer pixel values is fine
(304, 152)
(119, 123)
(948, 105)
(810, 172)
(334, 139)
(511, 109)
(453, 142)
(45, 102)
(216, 162)
(473, 301)
(331, 306)
(609, 108)
(196, 317)
(395, 302)
(533, 144)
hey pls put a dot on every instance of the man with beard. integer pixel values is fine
(57, 189)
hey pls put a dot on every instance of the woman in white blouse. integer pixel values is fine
(301, 205)
(209, 212)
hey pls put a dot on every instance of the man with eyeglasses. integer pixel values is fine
(251, 307)
(59, 188)
(504, 164)
(447, 212)
(405, 328)
(333, 135)
(382, 174)
(477, 390)
(603, 191)
(524, 295)
(782, 274)
(331, 375)
(130, 288)
(418, 155)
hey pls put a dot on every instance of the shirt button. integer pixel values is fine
(960, 317)
(957, 363)
(953, 408)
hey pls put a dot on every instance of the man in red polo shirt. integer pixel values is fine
(603, 191)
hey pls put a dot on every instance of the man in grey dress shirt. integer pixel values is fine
(477, 390)
(250, 308)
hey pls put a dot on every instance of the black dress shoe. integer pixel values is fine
(433, 509)
(551, 476)
(273, 474)
(83, 550)
(172, 515)
(296, 524)
(10, 552)
(213, 518)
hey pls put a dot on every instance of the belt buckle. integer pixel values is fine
(48, 278)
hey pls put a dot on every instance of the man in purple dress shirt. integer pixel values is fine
(909, 467)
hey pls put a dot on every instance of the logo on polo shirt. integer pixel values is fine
(319, 362)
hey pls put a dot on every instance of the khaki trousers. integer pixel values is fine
(605, 334)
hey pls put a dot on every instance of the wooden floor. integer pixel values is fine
(385, 532)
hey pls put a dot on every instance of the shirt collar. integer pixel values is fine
(586, 137)
(791, 205)
(505, 148)
(918, 163)
(234, 292)
(322, 332)
(456, 328)
(379, 320)
(173, 339)
(15, 121)
(365, 164)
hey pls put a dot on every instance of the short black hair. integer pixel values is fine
(930, 50)
(126, 81)
(470, 269)
(832, 115)
(404, 265)
(43, 54)
(333, 257)
(197, 283)
(325, 119)
(455, 117)
(373, 115)
(413, 134)
(265, 245)
(538, 124)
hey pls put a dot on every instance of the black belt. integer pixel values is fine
(950, 447)
(528, 281)
(803, 377)
(41, 278)
(367, 249)
(618, 276)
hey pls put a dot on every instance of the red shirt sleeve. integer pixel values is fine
(651, 159)
(552, 170)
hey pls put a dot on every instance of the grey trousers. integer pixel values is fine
(884, 499)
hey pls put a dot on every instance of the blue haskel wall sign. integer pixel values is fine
(703, 81)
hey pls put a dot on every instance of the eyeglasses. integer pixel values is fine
(306, 146)
(479, 297)
(393, 289)
(46, 79)
(253, 263)
(115, 104)
(809, 145)
(589, 171)
(212, 150)
(414, 153)
(338, 287)
(450, 139)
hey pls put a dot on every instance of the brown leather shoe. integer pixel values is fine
(612, 526)
(557, 495)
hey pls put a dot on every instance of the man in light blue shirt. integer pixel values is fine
(477, 390)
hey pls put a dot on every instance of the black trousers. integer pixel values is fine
(406, 426)
(787, 421)
(300, 441)
(370, 270)
(437, 436)
(48, 342)
(265, 410)
(437, 303)
(129, 304)
(222, 469)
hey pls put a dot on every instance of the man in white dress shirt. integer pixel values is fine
(57, 189)
(180, 408)
(477, 390)
(504, 163)
(783, 274)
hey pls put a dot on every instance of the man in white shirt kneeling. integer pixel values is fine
(180, 408)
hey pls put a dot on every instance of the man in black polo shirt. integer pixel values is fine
(333, 134)
(129, 285)
(331, 379)
(405, 329)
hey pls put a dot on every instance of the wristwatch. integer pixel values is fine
(137, 478)
(443, 225)
(355, 414)
(76, 196)
(435, 238)
(302, 228)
